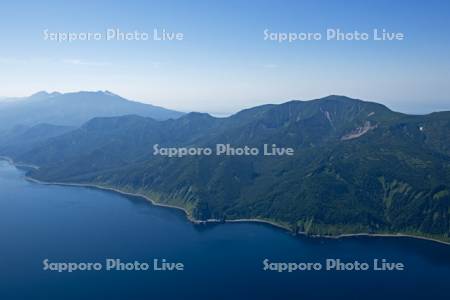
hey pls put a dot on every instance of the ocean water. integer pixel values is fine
(222, 261)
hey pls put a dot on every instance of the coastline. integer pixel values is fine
(209, 221)
(388, 235)
(99, 187)
(249, 220)
(153, 202)
(17, 164)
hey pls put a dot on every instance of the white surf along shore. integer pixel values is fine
(195, 221)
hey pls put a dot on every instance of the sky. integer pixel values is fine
(223, 63)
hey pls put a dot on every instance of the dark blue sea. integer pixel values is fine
(224, 261)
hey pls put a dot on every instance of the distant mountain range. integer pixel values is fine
(358, 166)
(73, 109)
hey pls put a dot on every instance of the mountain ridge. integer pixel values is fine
(73, 109)
(358, 166)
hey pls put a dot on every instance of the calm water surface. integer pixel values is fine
(221, 261)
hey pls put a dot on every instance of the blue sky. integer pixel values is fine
(223, 64)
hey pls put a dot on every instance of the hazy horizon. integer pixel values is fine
(411, 110)
(224, 62)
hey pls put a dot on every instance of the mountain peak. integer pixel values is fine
(339, 98)
(75, 108)
(106, 92)
(44, 94)
(40, 94)
(197, 116)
